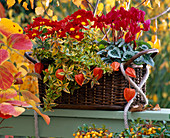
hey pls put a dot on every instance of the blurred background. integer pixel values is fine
(158, 84)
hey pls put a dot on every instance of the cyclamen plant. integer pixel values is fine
(69, 55)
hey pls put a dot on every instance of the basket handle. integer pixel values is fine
(27, 55)
(148, 51)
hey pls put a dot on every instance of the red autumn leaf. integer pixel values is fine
(8, 109)
(8, 94)
(59, 76)
(38, 67)
(79, 79)
(18, 74)
(157, 107)
(19, 41)
(130, 72)
(10, 66)
(5, 116)
(6, 78)
(3, 55)
(18, 81)
(129, 94)
(2, 11)
(98, 72)
(115, 66)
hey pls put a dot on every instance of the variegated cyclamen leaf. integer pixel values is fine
(4, 55)
(6, 78)
(7, 27)
(19, 42)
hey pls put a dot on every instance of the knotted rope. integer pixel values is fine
(138, 90)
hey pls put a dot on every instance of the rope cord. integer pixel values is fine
(138, 90)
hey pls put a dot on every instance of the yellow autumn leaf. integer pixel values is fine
(39, 10)
(157, 2)
(10, 3)
(19, 1)
(25, 5)
(64, 1)
(153, 28)
(8, 27)
(50, 12)
(55, 18)
(163, 26)
(148, 4)
(77, 2)
(155, 98)
(32, 4)
(100, 7)
(124, 5)
(168, 16)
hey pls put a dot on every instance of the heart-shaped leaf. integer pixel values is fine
(19, 42)
(3, 55)
(6, 78)
(129, 94)
(130, 72)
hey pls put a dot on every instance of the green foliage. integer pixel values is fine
(121, 52)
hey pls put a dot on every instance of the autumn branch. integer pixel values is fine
(161, 14)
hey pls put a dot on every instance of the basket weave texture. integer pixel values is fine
(109, 95)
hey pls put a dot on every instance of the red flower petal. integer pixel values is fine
(130, 72)
(129, 94)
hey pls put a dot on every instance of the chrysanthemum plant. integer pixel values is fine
(72, 53)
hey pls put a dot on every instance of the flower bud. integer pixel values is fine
(59, 76)
(129, 94)
(79, 79)
(38, 68)
(98, 72)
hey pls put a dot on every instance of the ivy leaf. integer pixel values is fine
(148, 60)
(69, 77)
(71, 67)
(115, 53)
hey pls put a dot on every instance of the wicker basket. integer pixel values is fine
(107, 96)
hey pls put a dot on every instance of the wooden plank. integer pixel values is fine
(64, 121)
